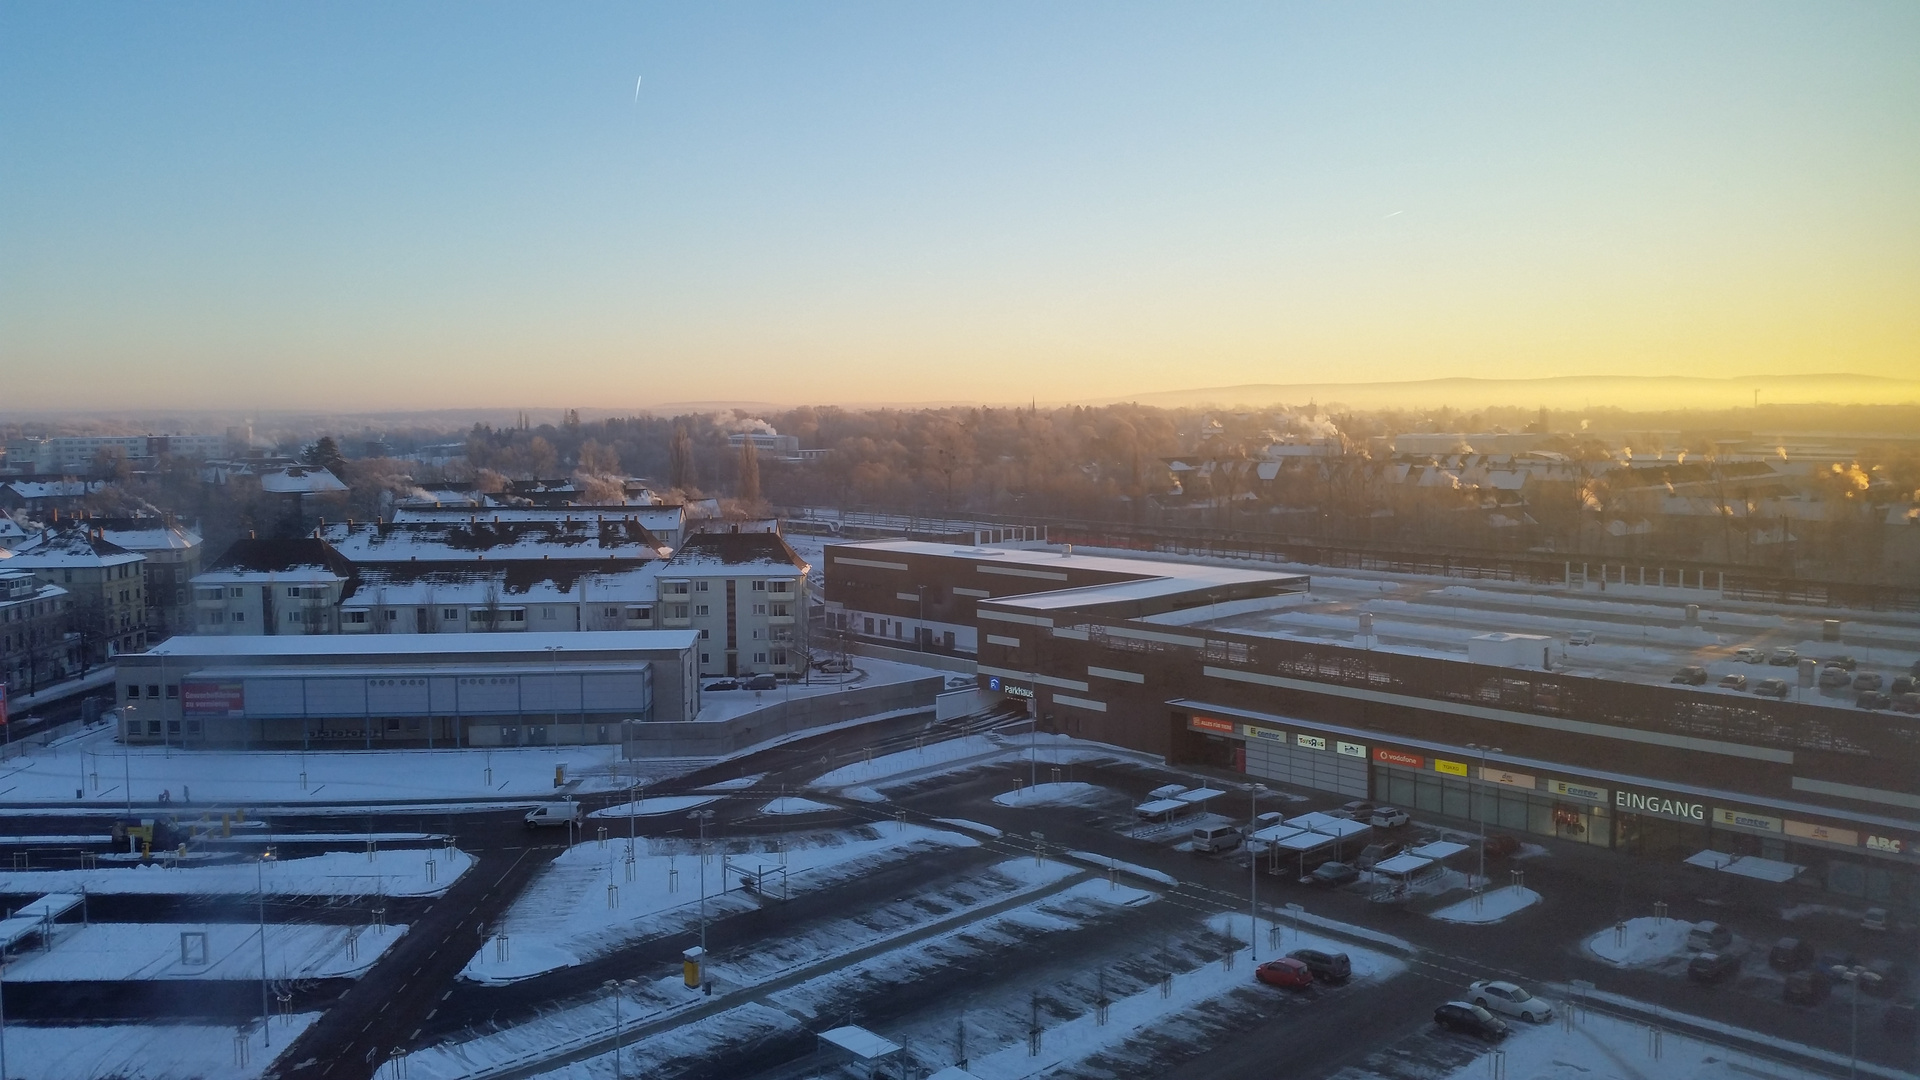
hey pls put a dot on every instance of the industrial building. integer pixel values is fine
(1231, 669)
(339, 692)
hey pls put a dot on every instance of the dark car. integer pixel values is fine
(1500, 845)
(1332, 875)
(1471, 1019)
(1285, 972)
(761, 682)
(1790, 954)
(1733, 682)
(1902, 684)
(1868, 680)
(1908, 702)
(1327, 967)
(1847, 662)
(723, 684)
(1872, 699)
(1807, 988)
(1375, 854)
(1713, 967)
(1783, 657)
(1772, 688)
(1691, 675)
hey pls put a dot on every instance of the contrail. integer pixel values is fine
(636, 89)
(1396, 213)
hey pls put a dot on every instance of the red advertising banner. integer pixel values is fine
(213, 699)
(1211, 724)
(1395, 757)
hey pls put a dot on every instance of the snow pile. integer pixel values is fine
(1648, 941)
(793, 805)
(659, 804)
(738, 783)
(567, 915)
(402, 872)
(146, 1051)
(1064, 793)
(1105, 863)
(128, 952)
(945, 756)
(1604, 1048)
(971, 826)
(1490, 907)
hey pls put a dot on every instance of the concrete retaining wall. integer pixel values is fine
(963, 665)
(715, 738)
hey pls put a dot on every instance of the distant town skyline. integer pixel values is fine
(444, 206)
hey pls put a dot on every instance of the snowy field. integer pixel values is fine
(338, 873)
(1066, 793)
(145, 1051)
(129, 952)
(564, 917)
(103, 769)
(1642, 941)
(1489, 907)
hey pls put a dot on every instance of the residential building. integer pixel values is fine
(271, 588)
(173, 554)
(105, 581)
(37, 645)
(746, 595)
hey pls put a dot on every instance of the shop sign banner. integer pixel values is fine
(1743, 820)
(1311, 742)
(1843, 837)
(1451, 768)
(1888, 844)
(1577, 791)
(214, 699)
(1502, 776)
(1252, 732)
(1660, 806)
(1016, 691)
(1395, 757)
(1209, 724)
(1351, 749)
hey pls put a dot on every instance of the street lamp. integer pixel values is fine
(1253, 873)
(1853, 973)
(1480, 810)
(126, 749)
(260, 874)
(702, 818)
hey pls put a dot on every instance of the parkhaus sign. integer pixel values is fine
(1660, 805)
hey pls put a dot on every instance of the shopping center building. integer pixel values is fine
(1136, 654)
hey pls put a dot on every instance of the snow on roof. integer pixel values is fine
(1159, 806)
(477, 540)
(655, 517)
(566, 644)
(1439, 849)
(71, 545)
(1342, 827)
(756, 550)
(860, 1042)
(519, 582)
(55, 489)
(146, 534)
(1752, 866)
(1401, 864)
(1197, 796)
(250, 556)
(301, 480)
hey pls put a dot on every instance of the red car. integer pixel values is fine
(1285, 972)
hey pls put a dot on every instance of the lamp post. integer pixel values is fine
(613, 991)
(702, 818)
(1253, 873)
(260, 874)
(1852, 974)
(126, 749)
(1480, 811)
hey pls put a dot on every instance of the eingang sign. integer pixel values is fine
(1660, 806)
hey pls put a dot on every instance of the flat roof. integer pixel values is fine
(518, 641)
(1193, 573)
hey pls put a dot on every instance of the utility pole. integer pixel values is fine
(260, 873)
(1253, 873)
(1480, 810)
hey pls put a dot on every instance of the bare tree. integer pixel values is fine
(749, 472)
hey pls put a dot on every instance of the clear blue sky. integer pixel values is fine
(417, 205)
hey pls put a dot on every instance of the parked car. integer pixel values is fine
(1331, 875)
(1747, 654)
(1358, 809)
(560, 813)
(1772, 688)
(1883, 978)
(1509, 999)
(723, 684)
(1501, 845)
(1327, 967)
(832, 665)
(1713, 967)
(1691, 675)
(1733, 682)
(1905, 703)
(1872, 699)
(761, 682)
(1214, 839)
(1285, 971)
(1875, 919)
(1902, 684)
(1709, 937)
(1807, 988)
(1375, 854)
(1388, 817)
(1790, 954)
(1842, 661)
(1783, 657)
(1832, 678)
(1470, 1019)
(1868, 680)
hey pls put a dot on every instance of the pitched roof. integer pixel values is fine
(736, 549)
(280, 556)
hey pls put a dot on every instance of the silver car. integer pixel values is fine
(1509, 999)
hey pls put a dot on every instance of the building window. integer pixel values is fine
(679, 611)
(392, 615)
(759, 658)
(216, 617)
(236, 592)
(611, 613)
(546, 614)
(779, 657)
(756, 635)
(705, 634)
(356, 617)
(759, 586)
(869, 623)
(703, 658)
(293, 616)
(700, 609)
(451, 614)
(293, 592)
(759, 609)
(699, 586)
(239, 616)
(133, 691)
(781, 610)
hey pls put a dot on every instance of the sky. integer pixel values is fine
(421, 205)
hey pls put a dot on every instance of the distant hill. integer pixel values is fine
(1651, 392)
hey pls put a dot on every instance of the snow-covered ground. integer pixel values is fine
(145, 1051)
(1644, 941)
(659, 804)
(126, 952)
(1489, 907)
(794, 805)
(956, 755)
(223, 779)
(1105, 863)
(565, 916)
(738, 783)
(1065, 793)
(394, 872)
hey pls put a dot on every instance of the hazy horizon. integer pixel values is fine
(436, 206)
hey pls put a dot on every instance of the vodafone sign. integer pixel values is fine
(1395, 757)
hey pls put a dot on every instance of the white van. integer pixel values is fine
(560, 813)
(1709, 937)
(1214, 839)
